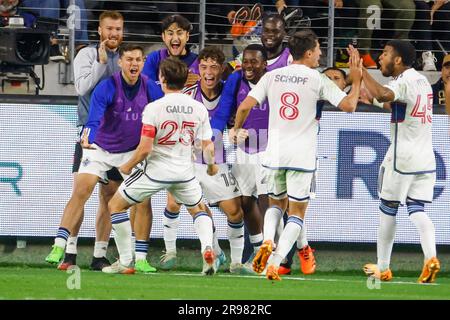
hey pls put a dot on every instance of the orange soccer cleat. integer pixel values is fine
(272, 273)
(282, 270)
(307, 260)
(372, 270)
(261, 257)
(430, 269)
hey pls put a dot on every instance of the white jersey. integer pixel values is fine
(412, 116)
(179, 120)
(196, 93)
(292, 93)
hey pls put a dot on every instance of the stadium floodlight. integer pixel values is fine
(24, 46)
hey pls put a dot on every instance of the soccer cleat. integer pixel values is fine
(372, 270)
(430, 269)
(119, 268)
(142, 266)
(272, 273)
(239, 268)
(220, 260)
(307, 260)
(261, 257)
(284, 270)
(428, 61)
(56, 255)
(240, 17)
(208, 262)
(98, 264)
(168, 260)
(70, 259)
(368, 61)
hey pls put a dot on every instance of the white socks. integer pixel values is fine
(256, 240)
(204, 228)
(71, 246)
(122, 228)
(427, 233)
(100, 249)
(287, 239)
(302, 241)
(171, 220)
(271, 222)
(235, 234)
(386, 235)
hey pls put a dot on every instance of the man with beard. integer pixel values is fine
(272, 36)
(408, 172)
(175, 35)
(248, 170)
(92, 65)
(112, 130)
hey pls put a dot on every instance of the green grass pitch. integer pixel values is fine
(339, 276)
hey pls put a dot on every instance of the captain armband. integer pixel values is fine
(148, 131)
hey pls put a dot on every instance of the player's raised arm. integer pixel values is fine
(208, 155)
(349, 103)
(143, 150)
(241, 115)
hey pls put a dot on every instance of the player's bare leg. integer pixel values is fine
(84, 185)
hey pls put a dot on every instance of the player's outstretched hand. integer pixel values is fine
(237, 136)
(212, 169)
(355, 64)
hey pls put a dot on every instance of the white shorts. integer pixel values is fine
(220, 187)
(139, 186)
(99, 161)
(394, 186)
(294, 184)
(250, 174)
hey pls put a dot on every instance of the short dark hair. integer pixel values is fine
(212, 52)
(181, 21)
(302, 41)
(113, 14)
(336, 69)
(125, 47)
(275, 17)
(175, 73)
(257, 47)
(405, 50)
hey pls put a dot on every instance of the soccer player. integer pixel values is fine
(175, 35)
(247, 170)
(408, 172)
(220, 190)
(278, 56)
(170, 127)
(114, 126)
(92, 64)
(293, 92)
(272, 36)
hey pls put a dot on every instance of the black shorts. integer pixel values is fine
(112, 174)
